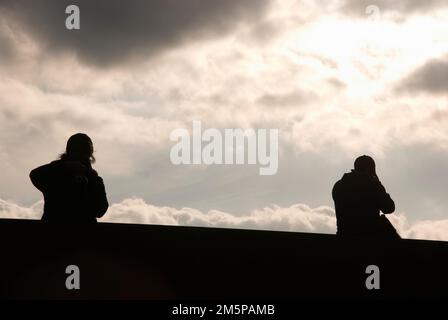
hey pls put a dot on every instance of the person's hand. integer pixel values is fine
(81, 180)
(75, 167)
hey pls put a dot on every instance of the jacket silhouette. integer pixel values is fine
(359, 199)
(73, 191)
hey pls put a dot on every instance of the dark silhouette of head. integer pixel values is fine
(365, 164)
(79, 147)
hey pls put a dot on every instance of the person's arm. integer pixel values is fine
(98, 203)
(386, 204)
(41, 177)
(57, 174)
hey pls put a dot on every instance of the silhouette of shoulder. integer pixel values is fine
(72, 189)
(57, 173)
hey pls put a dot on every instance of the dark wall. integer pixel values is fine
(164, 262)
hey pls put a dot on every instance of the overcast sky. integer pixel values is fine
(337, 78)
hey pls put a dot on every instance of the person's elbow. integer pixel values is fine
(388, 208)
(34, 177)
(102, 209)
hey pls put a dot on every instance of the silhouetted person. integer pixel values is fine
(73, 191)
(359, 197)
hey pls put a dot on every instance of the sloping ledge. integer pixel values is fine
(168, 262)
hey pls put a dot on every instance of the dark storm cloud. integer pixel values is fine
(432, 77)
(113, 31)
(358, 7)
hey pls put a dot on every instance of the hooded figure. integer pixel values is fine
(73, 191)
(359, 199)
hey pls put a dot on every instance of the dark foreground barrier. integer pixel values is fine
(121, 261)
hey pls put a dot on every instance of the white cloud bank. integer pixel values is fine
(298, 218)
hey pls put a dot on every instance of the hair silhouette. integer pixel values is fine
(365, 164)
(73, 191)
(79, 147)
(359, 199)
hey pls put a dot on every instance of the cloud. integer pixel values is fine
(291, 99)
(134, 210)
(296, 218)
(113, 31)
(7, 47)
(358, 7)
(13, 211)
(431, 78)
(429, 229)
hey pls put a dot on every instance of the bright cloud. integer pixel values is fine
(296, 218)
